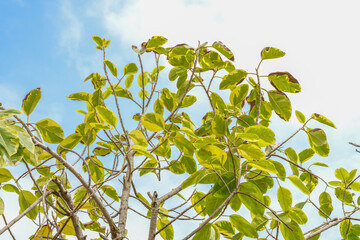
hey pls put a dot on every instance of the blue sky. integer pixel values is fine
(48, 44)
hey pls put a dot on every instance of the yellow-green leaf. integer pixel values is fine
(111, 67)
(153, 122)
(168, 232)
(271, 53)
(80, 96)
(224, 50)
(251, 152)
(281, 104)
(142, 151)
(26, 198)
(130, 68)
(138, 138)
(266, 135)
(238, 95)
(31, 100)
(42, 232)
(284, 198)
(107, 115)
(232, 79)
(69, 227)
(284, 82)
(263, 165)
(8, 140)
(300, 116)
(7, 113)
(299, 184)
(50, 130)
(5, 175)
(211, 156)
(243, 226)
(154, 42)
(320, 118)
(110, 192)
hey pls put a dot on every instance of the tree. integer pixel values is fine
(233, 153)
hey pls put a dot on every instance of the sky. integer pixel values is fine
(48, 44)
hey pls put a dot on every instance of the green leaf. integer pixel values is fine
(168, 232)
(189, 164)
(24, 138)
(69, 142)
(345, 227)
(294, 233)
(342, 174)
(188, 101)
(2, 206)
(96, 170)
(281, 172)
(218, 45)
(183, 144)
(355, 186)
(263, 165)
(69, 227)
(317, 136)
(130, 68)
(5, 175)
(243, 226)
(253, 205)
(320, 164)
(343, 195)
(129, 80)
(198, 176)
(266, 135)
(142, 151)
(111, 67)
(225, 228)
(31, 100)
(167, 99)
(110, 192)
(107, 115)
(199, 207)
(320, 118)
(300, 116)
(208, 232)
(305, 155)
(26, 198)
(281, 104)
(97, 98)
(284, 82)
(232, 79)
(80, 96)
(297, 215)
(50, 130)
(325, 204)
(218, 126)
(284, 197)
(251, 152)
(153, 122)
(9, 187)
(138, 138)
(8, 140)
(98, 40)
(7, 113)
(211, 156)
(218, 103)
(299, 184)
(318, 142)
(155, 42)
(271, 53)
(238, 95)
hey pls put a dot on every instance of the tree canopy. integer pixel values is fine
(243, 179)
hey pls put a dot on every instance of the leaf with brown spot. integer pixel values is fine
(271, 53)
(224, 50)
(285, 82)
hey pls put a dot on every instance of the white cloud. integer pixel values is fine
(320, 40)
